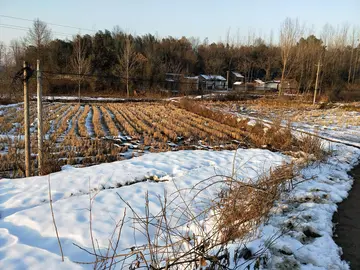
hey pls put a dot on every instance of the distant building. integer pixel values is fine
(259, 82)
(272, 85)
(172, 81)
(212, 82)
(189, 84)
(236, 79)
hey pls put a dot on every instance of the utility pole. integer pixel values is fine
(26, 122)
(227, 79)
(357, 58)
(80, 68)
(40, 118)
(317, 80)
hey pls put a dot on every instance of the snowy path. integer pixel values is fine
(307, 215)
(348, 224)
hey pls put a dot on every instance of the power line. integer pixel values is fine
(23, 28)
(60, 25)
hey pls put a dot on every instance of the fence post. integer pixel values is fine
(40, 118)
(26, 122)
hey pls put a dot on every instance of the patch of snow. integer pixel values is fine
(11, 105)
(252, 122)
(306, 216)
(89, 124)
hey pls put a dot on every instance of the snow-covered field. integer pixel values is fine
(28, 240)
(336, 123)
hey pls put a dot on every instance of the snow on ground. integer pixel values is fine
(74, 98)
(89, 124)
(305, 216)
(2, 107)
(301, 221)
(335, 124)
(28, 235)
(28, 240)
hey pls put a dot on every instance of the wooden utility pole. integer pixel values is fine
(227, 79)
(26, 122)
(317, 80)
(40, 118)
(80, 68)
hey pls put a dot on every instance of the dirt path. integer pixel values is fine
(348, 227)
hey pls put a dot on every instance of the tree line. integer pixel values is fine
(118, 62)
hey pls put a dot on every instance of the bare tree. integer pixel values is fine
(357, 56)
(80, 62)
(2, 51)
(129, 60)
(17, 52)
(39, 35)
(2, 66)
(354, 44)
(289, 34)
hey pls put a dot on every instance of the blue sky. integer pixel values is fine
(203, 19)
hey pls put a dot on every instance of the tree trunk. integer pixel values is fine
(282, 79)
(127, 81)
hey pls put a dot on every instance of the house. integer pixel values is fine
(172, 81)
(212, 82)
(236, 79)
(272, 85)
(259, 83)
(189, 84)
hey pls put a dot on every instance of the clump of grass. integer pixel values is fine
(50, 160)
(11, 164)
(217, 116)
(312, 145)
(244, 206)
(280, 138)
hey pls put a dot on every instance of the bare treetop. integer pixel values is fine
(39, 35)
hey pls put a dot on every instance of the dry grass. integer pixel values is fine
(275, 138)
(243, 207)
(153, 126)
(50, 161)
(12, 164)
(313, 146)
(97, 122)
(109, 121)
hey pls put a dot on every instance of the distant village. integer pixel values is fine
(235, 81)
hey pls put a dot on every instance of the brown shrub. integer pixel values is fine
(279, 137)
(243, 207)
(12, 163)
(312, 145)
